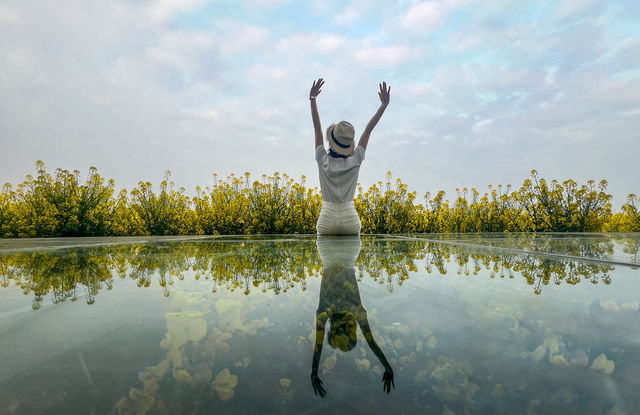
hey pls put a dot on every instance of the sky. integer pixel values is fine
(482, 92)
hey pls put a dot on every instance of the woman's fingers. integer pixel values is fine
(315, 89)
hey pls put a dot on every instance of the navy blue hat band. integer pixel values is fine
(336, 141)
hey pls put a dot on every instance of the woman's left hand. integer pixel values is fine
(387, 378)
(384, 93)
(315, 89)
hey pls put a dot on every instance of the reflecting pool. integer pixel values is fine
(411, 324)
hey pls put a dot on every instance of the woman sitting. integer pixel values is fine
(339, 167)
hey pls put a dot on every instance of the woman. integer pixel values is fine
(339, 167)
(340, 304)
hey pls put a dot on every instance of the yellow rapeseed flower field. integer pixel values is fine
(60, 204)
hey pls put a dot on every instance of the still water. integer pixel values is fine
(415, 324)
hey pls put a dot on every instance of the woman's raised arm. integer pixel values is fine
(384, 101)
(315, 90)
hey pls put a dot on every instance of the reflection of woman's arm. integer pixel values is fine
(321, 320)
(387, 377)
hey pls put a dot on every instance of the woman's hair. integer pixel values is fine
(327, 134)
(342, 331)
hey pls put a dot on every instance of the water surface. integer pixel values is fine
(467, 324)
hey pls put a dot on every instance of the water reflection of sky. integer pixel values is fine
(229, 325)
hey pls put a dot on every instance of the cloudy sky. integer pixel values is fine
(482, 91)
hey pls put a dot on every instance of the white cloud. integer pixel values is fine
(206, 114)
(385, 56)
(628, 53)
(168, 57)
(163, 10)
(9, 15)
(459, 3)
(462, 41)
(266, 3)
(309, 43)
(424, 16)
(349, 15)
(238, 37)
(264, 73)
(329, 43)
(418, 90)
(184, 52)
(631, 113)
(479, 126)
(566, 8)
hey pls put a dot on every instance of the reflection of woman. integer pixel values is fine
(340, 304)
(339, 167)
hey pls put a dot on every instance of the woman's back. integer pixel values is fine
(338, 176)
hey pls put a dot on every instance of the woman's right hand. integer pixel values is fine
(387, 379)
(315, 89)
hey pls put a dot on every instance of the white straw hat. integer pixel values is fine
(340, 137)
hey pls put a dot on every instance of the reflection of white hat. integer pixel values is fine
(338, 250)
(341, 138)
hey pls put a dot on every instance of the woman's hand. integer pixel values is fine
(315, 89)
(387, 378)
(384, 93)
(317, 385)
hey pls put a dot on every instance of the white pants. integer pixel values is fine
(338, 219)
(338, 250)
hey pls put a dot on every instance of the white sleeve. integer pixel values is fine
(321, 153)
(359, 155)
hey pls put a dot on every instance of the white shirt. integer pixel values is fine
(338, 176)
